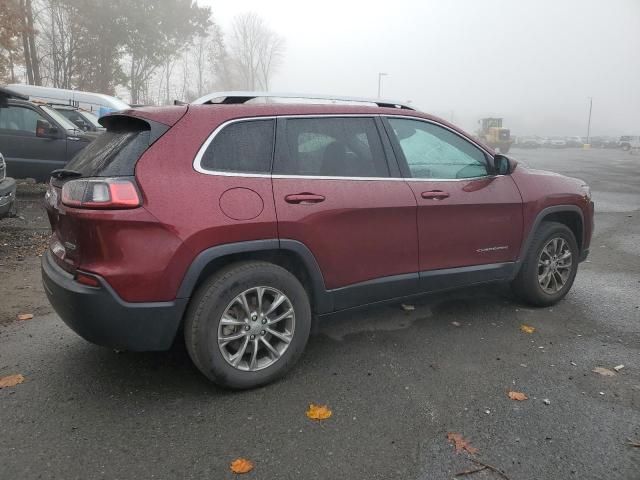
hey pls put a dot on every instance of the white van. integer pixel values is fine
(96, 103)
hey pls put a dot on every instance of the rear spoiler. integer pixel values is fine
(118, 121)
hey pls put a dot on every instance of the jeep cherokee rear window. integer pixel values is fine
(243, 147)
(332, 147)
(113, 153)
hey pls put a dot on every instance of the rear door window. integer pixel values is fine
(331, 147)
(241, 147)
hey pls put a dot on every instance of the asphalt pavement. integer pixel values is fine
(396, 381)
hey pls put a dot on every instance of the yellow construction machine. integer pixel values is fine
(492, 133)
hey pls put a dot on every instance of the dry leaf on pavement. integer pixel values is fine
(527, 328)
(241, 465)
(25, 316)
(408, 308)
(318, 412)
(605, 372)
(519, 396)
(11, 380)
(461, 443)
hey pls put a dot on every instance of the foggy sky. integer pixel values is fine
(534, 62)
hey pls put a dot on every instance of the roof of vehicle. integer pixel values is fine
(6, 93)
(242, 97)
(63, 94)
(215, 114)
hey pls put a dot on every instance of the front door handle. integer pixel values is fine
(435, 195)
(302, 198)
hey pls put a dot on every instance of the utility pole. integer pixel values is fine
(589, 122)
(380, 75)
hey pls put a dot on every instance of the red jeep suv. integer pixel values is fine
(239, 222)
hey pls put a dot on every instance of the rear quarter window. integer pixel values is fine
(241, 147)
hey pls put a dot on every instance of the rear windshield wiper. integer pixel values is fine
(65, 173)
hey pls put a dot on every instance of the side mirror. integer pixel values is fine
(45, 130)
(503, 165)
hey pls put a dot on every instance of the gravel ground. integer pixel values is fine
(22, 240)
(398, 382)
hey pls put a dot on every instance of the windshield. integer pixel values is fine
(91, 118)
(64, 122)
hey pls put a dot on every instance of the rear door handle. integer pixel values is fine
(304, 198)
(435, 195)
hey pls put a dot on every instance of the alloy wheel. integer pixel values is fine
(554, 265)
(256, 328)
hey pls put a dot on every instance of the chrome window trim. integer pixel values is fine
(198, 159)
(197, 162)
(426, 120)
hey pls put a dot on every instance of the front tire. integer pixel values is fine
(549, 267)
(248, 324)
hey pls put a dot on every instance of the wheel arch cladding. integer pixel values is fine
(569, 215)
(571, 219)
(291, 255)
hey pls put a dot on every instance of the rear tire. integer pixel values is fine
(232, 333)
(549, 267)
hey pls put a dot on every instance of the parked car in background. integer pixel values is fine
(95, 103)
(574, 142)
(85, 121)
(557, 142)
(265, 216)
(7, 192)
(36, 139)
(528, 142)
(626, 141)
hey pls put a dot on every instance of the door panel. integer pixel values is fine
(466, 216)
(333, 193)
(26, 154)
(479, 222)
(362, 230)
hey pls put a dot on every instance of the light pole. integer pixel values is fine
(380, 75)
(589, 122)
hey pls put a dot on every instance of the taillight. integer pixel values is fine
(101, 193)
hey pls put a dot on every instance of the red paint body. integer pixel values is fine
(362, 229)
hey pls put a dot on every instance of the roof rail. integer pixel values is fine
(238, 97)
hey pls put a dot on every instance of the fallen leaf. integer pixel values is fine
(455, 324)
(518, 396)
(461, 443)
(318, 412)
(25, 316)
(605, 372)
(618, 368)
(408, 308)
(241, 465)
(11, 380)
(546, 401)
(527, 328)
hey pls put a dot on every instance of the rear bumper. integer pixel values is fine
(100, 316)
(7, 196)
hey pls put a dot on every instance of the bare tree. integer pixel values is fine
(31, 60)
(256, 51)
(10, 31)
